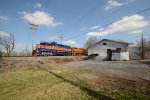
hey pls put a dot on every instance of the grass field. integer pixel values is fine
(54, 82)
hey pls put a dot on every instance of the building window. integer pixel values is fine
(104, 43)
(118, 49)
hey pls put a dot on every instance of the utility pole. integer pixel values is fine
(26, 50)
(33, 28)
(61, 38)
(142, 40)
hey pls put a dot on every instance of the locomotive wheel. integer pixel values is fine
(51, 53)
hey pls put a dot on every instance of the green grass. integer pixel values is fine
(127, 95)
(51, 83)
(39, 84)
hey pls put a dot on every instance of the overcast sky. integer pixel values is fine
(73, 17)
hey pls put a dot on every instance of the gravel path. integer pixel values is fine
(138, 69)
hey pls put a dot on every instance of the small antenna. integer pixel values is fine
(61, 38)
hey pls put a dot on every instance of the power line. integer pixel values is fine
(87, 13)
(81, 18)
(111, 23)
(108, 16)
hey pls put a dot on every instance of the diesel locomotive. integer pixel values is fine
(55, 49)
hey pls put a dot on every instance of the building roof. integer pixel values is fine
(109, 40)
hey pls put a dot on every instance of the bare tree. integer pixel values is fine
(145, 46)
(145, 43)
(1, 52)
(8, 43)
(91, 41)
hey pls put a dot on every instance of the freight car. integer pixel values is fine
(51, 49)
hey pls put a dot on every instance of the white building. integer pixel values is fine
(107, 49)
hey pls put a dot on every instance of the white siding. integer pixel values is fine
(101, 49)
(120, 56)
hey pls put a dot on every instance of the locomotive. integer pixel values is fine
(55, 49)
(78, 51)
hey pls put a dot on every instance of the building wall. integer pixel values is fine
(123, 46)
(101, 49)
(122, 56)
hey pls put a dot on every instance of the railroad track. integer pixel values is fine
(40, 57)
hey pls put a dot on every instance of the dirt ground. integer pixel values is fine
(115, 75)
(107, 76)
(124, 69)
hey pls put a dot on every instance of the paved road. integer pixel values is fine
(138, 69)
